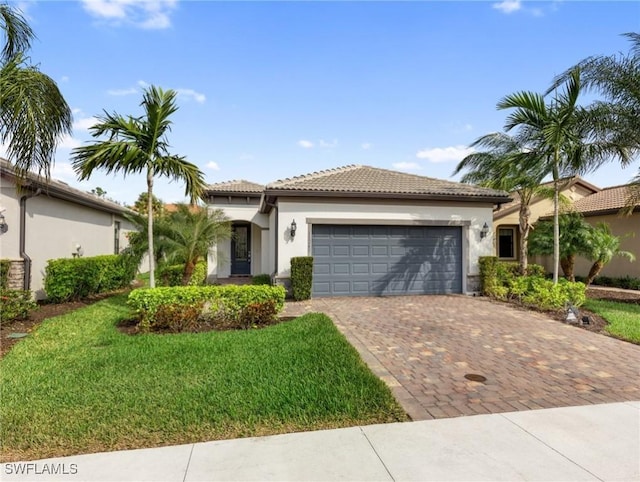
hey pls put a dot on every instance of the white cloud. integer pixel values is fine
(306, 144)
(444, 154)
(213, 166)
(63, 170)
(508, 6)
(407, 166)
(64, 79)
(192, 94)
(366, 146)
(142, 84)
(145, 14)
(119, 92)
(84, 123)
(68, 142)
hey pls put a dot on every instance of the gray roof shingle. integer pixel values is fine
(236, 186)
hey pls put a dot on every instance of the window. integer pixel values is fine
(116, 237)
(506, 243)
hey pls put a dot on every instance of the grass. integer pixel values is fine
(78, 385)
(623, 318)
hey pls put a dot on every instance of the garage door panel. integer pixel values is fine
(382, 260)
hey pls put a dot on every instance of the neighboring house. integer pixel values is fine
(605, 206)
(506, 219)
(370, 231)
(48, 219)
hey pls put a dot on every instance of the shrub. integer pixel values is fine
(547, 296)
(5, 265)
(177, 318)
(227, 301)
(15, 304)
(301, 277)
(171, 275)
(74, 278)
(488, 275)
(261, 279)
(626, 282)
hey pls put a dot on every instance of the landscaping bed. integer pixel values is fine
(78, 385)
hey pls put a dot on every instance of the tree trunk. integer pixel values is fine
(568, 264)
(556, 222)
(189, 266)
(152, 276)
(594, 271)
(525, 214)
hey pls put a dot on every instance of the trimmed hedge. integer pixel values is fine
(5, 265)
(171, 275)
(16, 304)
(73, 278)
(301, 277)
(502, 280)
(230, 300)
(261, 279)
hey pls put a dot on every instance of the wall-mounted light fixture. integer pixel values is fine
(293, 228)
(484, 231)
(4, 227)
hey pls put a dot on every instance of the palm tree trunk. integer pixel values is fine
(152, 276)
(567, 267)
(594, 271)
(556, 222)
(525, 214)
(189, 266)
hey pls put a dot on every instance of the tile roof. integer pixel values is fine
(62, 190)
(236, 186)
(607, 200)
(356, 179)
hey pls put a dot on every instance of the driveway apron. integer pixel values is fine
(430, 349)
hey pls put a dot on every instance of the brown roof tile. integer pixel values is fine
(607, 200)
(236, 186)
(356, 179)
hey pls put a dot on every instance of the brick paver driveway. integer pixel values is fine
(423, 346)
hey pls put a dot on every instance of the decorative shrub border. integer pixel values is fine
(301, 277)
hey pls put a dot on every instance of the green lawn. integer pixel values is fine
(79, 385)
(623, 318)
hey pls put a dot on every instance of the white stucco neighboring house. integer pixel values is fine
(48, 219)
(370, 231)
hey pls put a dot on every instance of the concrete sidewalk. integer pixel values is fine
(592, 442)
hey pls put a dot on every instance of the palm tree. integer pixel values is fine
(33, 112)
(136, 145)
(562, 138)
(500, 166)
(188, 234)
(603, 246)
(617, 78)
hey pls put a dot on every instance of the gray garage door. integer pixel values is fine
(386, 260)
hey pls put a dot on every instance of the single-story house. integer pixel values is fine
(596, 205)
(506, 219)
(48, 219)
(370, 231)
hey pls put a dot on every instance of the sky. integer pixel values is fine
(270, 90)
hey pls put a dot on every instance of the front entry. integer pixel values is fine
(241, 249)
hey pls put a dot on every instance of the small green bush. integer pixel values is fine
(261, 279)
(301, 277)
(626, 282)
(545, 295)
(73, 278)
(488, 275)
(171, 275)
(15, 305)
(177, 318)
(5, 265)
(227, 301)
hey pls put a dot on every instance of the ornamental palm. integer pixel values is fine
(603, 246)
(617, 78)
(562, 138)
(500, 166)
(139, 144)
(33, 112)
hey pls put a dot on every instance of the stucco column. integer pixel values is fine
(265, 253)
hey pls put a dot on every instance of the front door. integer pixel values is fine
(241, 249)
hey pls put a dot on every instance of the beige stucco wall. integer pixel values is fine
(628, 226)
(54, 228)
(471, 216)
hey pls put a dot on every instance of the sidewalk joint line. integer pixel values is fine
(186, 470)
(377, 454)
(552, 448)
